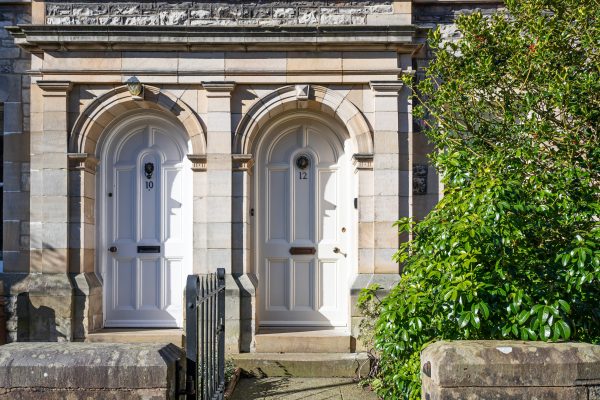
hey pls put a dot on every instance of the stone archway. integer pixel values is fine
(320, 99)
(99, 115)
(87, 133)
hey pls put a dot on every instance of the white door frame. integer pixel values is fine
(269, 133)
(117, 132)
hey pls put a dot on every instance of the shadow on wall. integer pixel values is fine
(36, 323)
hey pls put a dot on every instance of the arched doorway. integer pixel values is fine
(144, 202)
(304, 222)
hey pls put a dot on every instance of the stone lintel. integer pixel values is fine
(199, 162)
(224, 87)
(242, 162)
(55, 88)
(363, 161)
(83, 162)
(386, 86)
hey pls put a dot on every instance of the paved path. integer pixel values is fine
(300, 389)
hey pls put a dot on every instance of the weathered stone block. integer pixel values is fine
(91, 370)
(509, 370)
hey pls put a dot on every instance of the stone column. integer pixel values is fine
(219, 192)
(87, 313)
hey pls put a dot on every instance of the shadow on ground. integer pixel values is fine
(300, 388)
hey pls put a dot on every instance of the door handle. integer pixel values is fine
(112, 249)
(302, 250)
(337, 250)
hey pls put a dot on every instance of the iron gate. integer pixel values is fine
(205, 336)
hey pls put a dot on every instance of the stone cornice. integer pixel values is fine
(82, 162)
(38, 38)
(363, 161)
(386, 86)
(58, 87)
(198, 162)
(242, 162)
(219, 86)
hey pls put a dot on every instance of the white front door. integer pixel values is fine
(303, 229)
(148, 225)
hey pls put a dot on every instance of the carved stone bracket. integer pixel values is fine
(198, 162)
(243, 162)
(363, 161)
(83, 162)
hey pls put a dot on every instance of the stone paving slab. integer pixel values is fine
(284, 388)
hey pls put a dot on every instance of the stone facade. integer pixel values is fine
(219, 75)
(179, 13)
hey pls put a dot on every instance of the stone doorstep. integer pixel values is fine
(309, 365)
(137, 335)
(302, 341)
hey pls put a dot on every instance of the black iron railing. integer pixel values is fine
(205, 336)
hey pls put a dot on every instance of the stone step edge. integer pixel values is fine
(304, 365)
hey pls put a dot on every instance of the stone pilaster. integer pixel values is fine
(391, 173)
(87, 312)
(218, 206)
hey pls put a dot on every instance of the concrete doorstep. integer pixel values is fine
(309, 365)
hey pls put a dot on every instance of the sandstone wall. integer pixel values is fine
(14, 98)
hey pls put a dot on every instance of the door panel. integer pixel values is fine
(148, 222)
(300, 207)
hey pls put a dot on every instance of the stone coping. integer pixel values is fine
(88, 365)
(498, 363)
(177, 38)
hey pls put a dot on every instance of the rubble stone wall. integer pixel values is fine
(189, 13)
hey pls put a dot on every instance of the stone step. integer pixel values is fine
(302, 341)
(310, 365)
(136, 335)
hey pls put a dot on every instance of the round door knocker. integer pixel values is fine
(302, 162)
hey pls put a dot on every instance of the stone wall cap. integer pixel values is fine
(87, 365)
(510, 363)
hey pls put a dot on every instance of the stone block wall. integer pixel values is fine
(14, 96)
(204, 13)
(14, 99)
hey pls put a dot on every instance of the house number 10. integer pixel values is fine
(148, 171)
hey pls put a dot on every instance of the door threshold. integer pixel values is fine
(138, 335)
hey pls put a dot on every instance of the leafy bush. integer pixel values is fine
(511, 251)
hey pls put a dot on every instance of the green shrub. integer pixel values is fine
(512, 250)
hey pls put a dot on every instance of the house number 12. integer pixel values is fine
(302, 175)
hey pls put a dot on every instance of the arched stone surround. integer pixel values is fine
(94, 120)
(326, 105)
(97, 120)
(320, 99)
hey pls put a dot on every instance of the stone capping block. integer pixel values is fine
(386, 86)
(91, 366)
(59, 87)
(495, 363)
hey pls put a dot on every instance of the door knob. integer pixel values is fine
(112, 249)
